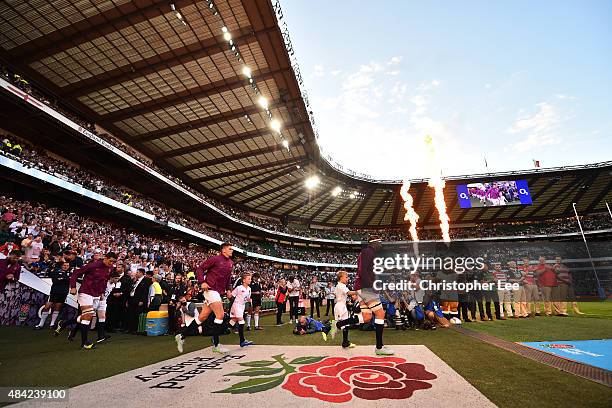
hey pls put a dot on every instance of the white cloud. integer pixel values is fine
(336, 72)
(563, 96)
(319, 71)
(373, 105)
(357, 80)
(394, 73)
(418, 100)
(363, 77)
(400, 109)
(427, 85)
(394, 60)
(538, 128)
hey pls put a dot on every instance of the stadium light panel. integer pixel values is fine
(285, 143)
(275, 125)
(312, 182)
(246, 71)
(224, 29)
(227, 36)
(336, 191)
(263, 102)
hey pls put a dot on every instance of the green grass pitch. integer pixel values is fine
(31, 358)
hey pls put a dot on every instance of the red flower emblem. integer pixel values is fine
(338, 379)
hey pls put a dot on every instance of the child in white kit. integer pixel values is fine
(340, 310)
(241, 295)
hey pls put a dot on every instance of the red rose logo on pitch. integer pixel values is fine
(339, 379)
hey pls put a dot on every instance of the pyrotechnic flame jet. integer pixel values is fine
(436, 182)
(411, 215)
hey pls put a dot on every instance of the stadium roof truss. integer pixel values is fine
(177, 93)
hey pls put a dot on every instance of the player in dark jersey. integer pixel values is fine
(95, 277)
(256, 292)
(60, 277)
(214, 276)
(369, 298)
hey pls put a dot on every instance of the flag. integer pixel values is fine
(536, 163)
(486, 164)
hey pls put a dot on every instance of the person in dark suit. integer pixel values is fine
(116, 311)
(137, 300)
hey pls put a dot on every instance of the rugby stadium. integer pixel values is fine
(176, 231)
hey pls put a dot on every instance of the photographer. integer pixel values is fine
(308, 325)
(330, 298)
(313, 295)
(187, 311)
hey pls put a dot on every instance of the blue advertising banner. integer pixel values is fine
(523, 191)
(464, 197)
(597, 353)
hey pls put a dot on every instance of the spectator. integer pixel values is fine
(330, 297)
(137, 301)
(155, 293)
(313, 295)
(280, 299)
(10, 270)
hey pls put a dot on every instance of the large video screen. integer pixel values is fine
(494, 194)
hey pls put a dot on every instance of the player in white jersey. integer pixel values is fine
(241, 295)
(100, 306)
(340, 309)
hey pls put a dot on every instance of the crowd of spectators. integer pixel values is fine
(35, 158)
(43, 232)
(38, 158)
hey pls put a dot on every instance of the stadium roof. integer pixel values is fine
(169, 85)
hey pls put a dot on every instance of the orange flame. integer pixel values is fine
(411, 215)
(436, 182)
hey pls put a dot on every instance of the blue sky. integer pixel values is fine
(511, 81)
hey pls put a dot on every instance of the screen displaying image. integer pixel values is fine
(494, 194)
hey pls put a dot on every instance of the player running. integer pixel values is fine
(241, 295)
(214, 276)
(95, 276)
(60, 278)
(369, 299)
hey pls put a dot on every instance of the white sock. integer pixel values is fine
(197, 320)
(256, 319)
(54, 317)
(43, 318)
(248, 320)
